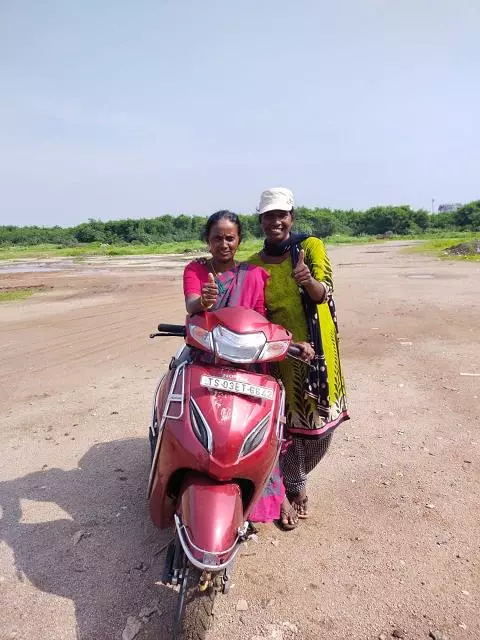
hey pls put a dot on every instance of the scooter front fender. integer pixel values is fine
(208, 522)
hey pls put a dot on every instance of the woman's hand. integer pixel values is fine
(308, 352)
(303, 277)
(301, 273)
(209, 293)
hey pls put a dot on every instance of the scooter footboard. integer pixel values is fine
(208, 522)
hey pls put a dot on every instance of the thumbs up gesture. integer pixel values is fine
(301, 273)
(209, 293)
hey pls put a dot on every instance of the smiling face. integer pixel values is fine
(276, 225)
(223, 240)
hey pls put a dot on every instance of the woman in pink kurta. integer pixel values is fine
(241, 286)
(222, 282)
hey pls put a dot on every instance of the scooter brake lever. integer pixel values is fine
(300, 360)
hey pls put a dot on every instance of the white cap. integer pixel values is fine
(276, 199)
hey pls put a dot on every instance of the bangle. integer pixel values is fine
(205, 308)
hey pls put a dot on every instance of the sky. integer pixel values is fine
(113, 109)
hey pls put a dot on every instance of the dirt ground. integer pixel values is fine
(392, 544)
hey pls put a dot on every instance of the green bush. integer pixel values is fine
(325, 223)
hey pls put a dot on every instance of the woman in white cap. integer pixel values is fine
(298, 296)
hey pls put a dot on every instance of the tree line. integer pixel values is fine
(381, 220)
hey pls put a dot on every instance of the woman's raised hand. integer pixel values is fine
(209, 293)
(301, 273)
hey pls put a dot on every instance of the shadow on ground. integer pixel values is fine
(108, 556)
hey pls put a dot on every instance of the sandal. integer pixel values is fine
(299, 502)
(288, 517)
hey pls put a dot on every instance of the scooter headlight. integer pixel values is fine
(202, 336)
(255, 437)
(200, 426)
(235, 347)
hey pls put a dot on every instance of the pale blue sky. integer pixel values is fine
(114, 108)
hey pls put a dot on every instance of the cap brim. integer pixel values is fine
(272, 207)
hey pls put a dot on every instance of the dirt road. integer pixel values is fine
(392, 543)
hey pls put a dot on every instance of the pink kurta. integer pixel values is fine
(243, 286)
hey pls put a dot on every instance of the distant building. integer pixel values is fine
(449, 207)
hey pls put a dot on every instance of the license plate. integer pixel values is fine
(234, 386)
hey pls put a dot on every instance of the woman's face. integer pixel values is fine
(223, 240)
(277, 225)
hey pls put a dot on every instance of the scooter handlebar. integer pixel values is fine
(294, 351)
(174, 329)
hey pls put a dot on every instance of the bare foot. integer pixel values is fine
(299, 502)
(288, 516)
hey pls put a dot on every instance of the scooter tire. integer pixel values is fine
(197, 616)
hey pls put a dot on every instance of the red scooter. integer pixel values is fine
(216, 433)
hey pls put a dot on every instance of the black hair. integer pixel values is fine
(224, 214)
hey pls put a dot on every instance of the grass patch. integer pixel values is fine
(16, 294)
(439, 245)
(81, 252)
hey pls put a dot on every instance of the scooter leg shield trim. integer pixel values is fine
(186, 542)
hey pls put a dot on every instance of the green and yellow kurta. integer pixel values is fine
(284, 307)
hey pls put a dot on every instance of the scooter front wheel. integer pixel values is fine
(194, 615)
